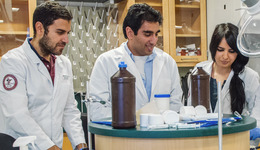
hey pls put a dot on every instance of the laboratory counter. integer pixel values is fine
(235, 136)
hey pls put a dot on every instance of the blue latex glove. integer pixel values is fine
(254, 133)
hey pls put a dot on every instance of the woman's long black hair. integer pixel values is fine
(236, 87)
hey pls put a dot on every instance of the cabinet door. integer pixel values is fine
(15, 23)
(160, 5)
(188, 44)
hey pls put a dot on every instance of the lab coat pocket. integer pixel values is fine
(66, 80)
(65, 77)
(63, 85)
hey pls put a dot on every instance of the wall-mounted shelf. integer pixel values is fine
(154, 4)
(93, 1)
(14, 32)
(187, 35)
(187, 6)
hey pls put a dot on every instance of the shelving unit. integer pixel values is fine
(188, 32)
(184, 23)
(16, 16)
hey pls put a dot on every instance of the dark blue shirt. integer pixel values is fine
(214, 92)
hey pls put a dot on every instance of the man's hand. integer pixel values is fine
(54, 147)
(81, 145)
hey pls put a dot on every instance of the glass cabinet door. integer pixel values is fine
(14, 23)
(160, 6)
(188, 34)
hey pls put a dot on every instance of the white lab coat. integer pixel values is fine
(165, 80)
(256, 109)
(36, 106)
(251, 81)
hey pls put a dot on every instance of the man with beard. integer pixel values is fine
(36, 93)
(155, 71)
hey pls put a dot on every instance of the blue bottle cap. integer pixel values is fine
(122, 64)
(162, 95)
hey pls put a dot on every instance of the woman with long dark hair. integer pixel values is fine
(239, 83)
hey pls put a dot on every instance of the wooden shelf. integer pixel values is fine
(187, 35)
(153, 3)
(187, 6)
(14, 32)
(188, 61)
(186, 64)
(19, 2)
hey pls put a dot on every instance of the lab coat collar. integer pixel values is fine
(31, 55)
(225, 89)
(149, 58)
(128, 50)
(29, 39)
(158, 63)
(208, 68)
(29, 51)
(40, 57)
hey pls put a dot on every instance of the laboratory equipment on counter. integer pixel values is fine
(200, 88)
(180, 125)
(123, 98)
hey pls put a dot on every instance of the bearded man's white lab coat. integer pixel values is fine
(34, 106)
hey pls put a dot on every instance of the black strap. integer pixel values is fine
(185, 88)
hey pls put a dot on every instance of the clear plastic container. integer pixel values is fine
(162, 101)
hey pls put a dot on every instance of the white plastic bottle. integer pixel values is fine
(23, 142)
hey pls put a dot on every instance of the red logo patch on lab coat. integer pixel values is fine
(10, 82)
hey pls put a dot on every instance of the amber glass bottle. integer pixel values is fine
(200, 88)
(123, 98)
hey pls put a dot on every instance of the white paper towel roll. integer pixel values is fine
(170, 117)
(185, 117)
(207, 116)
(155, 119)
(187, 110)
(144, 120)
(200, 110)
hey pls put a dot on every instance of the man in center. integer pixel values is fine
(155, 71)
